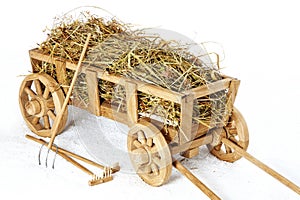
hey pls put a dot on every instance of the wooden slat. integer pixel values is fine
(192, 144)
(211, 88)
(131, 102)
(61, 74)
(93, 92)
(108, 112)
(233, 89)
(186, 113)
(71, 66)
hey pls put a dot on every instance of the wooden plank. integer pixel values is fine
(185, 133)
(204, 140)
(231, 96)
(108, 112)
(71, 66)
(131, 102)
(93, 92)
(190, 153)
(211, 88)
(61, 74)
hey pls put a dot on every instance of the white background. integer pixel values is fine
(261, 43)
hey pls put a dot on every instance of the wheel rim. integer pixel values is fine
(237, 132)
(149, 153)
(40, 100)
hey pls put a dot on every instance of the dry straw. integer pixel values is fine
(115, 48)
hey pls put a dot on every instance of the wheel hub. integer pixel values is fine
(143, 155)
(33, 107)
(38, 106)
(140, 156)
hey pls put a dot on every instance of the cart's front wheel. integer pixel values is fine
(149, 153)
(41, 99)
(237, 132)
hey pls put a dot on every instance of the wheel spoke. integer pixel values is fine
(46, 93)
(46, 122)
(35, 120)
(234, 140)
(154, 149)
(38, 87)
(137, 144)
(50, 103)
(30, 92)
(51, 114)
(157, 161)
(141, 137)
(147, 169)
(154, 169)
(218, 147)
(149, 142)
(144, 169)
(228, 149)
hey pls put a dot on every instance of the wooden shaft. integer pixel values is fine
(195, 180)
(76, 164)
(61, 153)
(262, 166)
(60, 114)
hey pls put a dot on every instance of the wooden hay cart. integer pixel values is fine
(42, 98)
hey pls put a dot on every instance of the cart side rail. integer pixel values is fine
(158, 91)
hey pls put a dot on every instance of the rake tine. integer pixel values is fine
(54, 156)
(46, 162)
(39, 156)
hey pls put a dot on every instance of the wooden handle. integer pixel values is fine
(262, 166)
(195, 180)
(60, 114)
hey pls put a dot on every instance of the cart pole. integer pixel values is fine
(195, 180)
(262, 166)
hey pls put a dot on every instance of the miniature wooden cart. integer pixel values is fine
(150, 148)
(39, 108)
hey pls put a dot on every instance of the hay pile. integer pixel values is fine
(120, 51)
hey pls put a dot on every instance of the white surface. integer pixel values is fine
(261, 42)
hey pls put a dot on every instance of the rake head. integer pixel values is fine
(103, 178)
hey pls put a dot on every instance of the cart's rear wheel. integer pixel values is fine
(41, 99)
(236, 131)
(149, 153)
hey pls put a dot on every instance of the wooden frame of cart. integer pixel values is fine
(151, 150)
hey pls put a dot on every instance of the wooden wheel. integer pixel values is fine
(149, 153)
(40, 100)
(237, 132)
